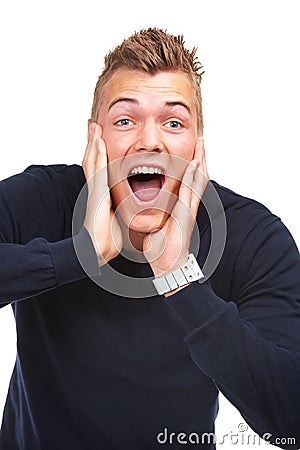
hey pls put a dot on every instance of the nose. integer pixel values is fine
(149, 138)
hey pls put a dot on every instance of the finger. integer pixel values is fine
(198, 187)
(101, 155)
(89, 141)
(185, 191)
(199, 154)
(95, 131)
(100, 174)
(90, 156)
(199, 149)
(200, 176)
(182, 210)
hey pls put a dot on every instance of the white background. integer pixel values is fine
(52, 54)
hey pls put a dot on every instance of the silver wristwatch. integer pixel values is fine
(187, 273)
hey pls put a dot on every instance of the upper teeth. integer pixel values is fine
(145, 170)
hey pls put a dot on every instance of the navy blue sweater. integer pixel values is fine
(95, 370)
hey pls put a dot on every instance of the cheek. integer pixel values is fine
(117, 195)
(112, 143)
(174, 186)
(111, 149)
(183, 148)
(117, 143)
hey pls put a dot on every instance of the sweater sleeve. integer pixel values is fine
(250, 347)
(35, 254)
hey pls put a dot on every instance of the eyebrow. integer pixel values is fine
(136, 102)
(123, 99)
(178, 103)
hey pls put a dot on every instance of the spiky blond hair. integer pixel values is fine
(152, 50)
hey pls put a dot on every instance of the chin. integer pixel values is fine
(147, 222)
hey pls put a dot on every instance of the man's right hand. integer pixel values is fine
(100, 220)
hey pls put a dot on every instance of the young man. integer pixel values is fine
(123, 343)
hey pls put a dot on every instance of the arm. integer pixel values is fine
(36, 251)
(250, 347)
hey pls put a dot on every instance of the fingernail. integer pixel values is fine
(92, 128)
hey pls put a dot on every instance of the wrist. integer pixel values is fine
(102, 258)
(170, 293)
(168, 267)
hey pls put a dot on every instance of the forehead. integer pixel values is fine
(158, 87)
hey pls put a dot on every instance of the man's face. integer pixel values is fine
(149, 125)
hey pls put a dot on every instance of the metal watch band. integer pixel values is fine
(187, 273)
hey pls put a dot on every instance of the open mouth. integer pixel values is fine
(146, 182)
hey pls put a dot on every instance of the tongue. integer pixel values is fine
(146, 190)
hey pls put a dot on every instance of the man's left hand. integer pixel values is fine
(167, 249)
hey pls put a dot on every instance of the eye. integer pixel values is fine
(174, 124)
(124, 122)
